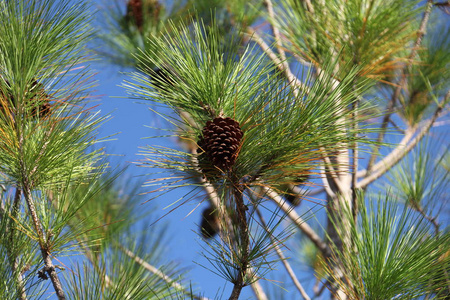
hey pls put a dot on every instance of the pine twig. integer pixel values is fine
(298, 221)
(331, 171)
(429, 218)
(49, 268)
(244, 262)
(159, 273)
(283, 259)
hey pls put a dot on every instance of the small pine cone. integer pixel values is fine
(137, 10)
(39, 101)
(6, 98)
(219, 143)
(43, 111)
(210, 223)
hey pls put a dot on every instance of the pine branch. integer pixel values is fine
(331, 173)
(402, 83)
(49, 268)
(402, 148)
(244, 262)
(283, 259)
(159, 273)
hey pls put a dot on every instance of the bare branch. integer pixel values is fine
(49, 268)
(429, 218)
(330, 170)
(244, 237)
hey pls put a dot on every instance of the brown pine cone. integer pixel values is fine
(210, 223)
(138, 10)
(219, 144)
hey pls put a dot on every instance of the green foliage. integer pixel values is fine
(44, 149)
(371, 32)
(111, 280)
(392, 254)
(124, 38)
(276, 123)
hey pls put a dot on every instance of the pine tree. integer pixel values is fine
(279, 106)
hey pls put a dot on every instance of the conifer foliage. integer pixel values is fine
(307, 130)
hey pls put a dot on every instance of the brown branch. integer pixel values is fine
(331, 172)
(49, 268)
(402, 83)
(430, 219)
(244, 238)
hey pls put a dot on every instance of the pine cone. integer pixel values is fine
(37, 94)
(6, 97)
(210, 223)
(43, 111)
(291, 196)
(219, 144)
(137, 10)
